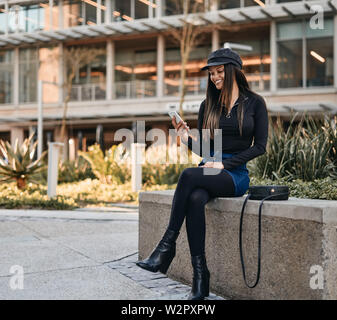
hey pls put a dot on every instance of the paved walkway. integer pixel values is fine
(81, 254)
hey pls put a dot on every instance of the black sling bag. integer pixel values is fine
(259, 193)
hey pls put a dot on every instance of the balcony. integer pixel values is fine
(198, 86)
(88, 92)
(140, 89)
(258, 81)
(137, 89)
(194, 86)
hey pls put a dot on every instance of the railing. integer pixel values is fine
(194, 86)
(135, 89)
(198, 86)
(258, 81)
(88, 92)
(139, 89)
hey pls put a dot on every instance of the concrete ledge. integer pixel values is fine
(296, 235)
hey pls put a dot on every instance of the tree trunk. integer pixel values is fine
(182, 83)
(65, 106)
(21, 183)
(64, 119)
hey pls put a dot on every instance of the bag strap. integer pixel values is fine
(259, 239)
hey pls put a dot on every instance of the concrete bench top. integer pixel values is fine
(323, 211)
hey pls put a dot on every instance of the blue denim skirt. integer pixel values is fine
(239, 175)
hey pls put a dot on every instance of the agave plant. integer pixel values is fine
(18, 162)
(304, 151)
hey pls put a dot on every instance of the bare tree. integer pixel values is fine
(74, 58)
(188, 36)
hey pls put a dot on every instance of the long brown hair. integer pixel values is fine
(216, 99)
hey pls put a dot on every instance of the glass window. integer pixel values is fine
(14, 18)
(73, 13)
(6, 76)
(319, 54)
(229, 4)
(290, 71)
(27, 18)
(195, 81)
(141, 9)
(289, 30)
(103, 10)
(256, 62)
(28, 67)
(2, 19)
(249, 3)
(294, 30)
(89, 82)
(320, 62)
(175, 7)
(34, 21)
(90, 9)
(123, 65)
(327, 30)
(93, 11)
(132, 9)
(171, 7)
(136, 70)
(122, 10)
(145, 65)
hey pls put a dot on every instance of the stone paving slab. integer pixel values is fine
(166, 288)
(98, 282)
(74, 228)
(38, 255)
(82, 256)
(102, 247)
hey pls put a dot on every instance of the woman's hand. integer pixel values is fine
(211, 164)
(182, 129)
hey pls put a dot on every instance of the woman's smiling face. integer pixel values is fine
(217, 74)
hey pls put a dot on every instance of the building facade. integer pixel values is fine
(136, 76)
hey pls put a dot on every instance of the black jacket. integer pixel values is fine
(255, 129)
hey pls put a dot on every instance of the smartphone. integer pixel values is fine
(176, 115)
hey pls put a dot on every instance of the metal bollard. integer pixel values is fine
(53, 160)
(136, 165)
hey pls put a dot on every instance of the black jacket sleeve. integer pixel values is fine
(260, 138)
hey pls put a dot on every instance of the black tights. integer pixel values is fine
(194, 189)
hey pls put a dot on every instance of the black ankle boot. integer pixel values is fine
(201, 275)
(162, 256)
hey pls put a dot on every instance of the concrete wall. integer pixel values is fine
(297, 234)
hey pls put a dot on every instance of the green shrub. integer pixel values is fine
(324, 189)
(95, 192)
(159, 174)
(34, 196)
(72, 171)
(71, 195)
(106, 167)
(304, 151)
(163, 166)
(330, 130)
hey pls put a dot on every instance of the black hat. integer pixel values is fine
(223, 56)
